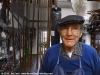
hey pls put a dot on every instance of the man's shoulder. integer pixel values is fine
(53, 51)
(88, 48)
(54, 48)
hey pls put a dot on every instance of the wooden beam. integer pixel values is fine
(30, 1)
(19, 34)
(39, 20)
(15, 18)
(37, 32)
(13, 42)
(23, 38)
(49, 23)
(31, 38)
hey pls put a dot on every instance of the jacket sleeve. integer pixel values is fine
(99, 67)
(96, 64)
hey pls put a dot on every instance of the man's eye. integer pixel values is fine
(65, 27)
(75, 27)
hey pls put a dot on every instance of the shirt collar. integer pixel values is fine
(77, 50)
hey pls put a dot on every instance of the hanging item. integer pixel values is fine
(4, 32)
(94, 27)
(11, 48)
(26, 50)
(3, 35)
(56, 16)
(4, 12)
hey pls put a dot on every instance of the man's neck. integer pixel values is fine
(69, 49)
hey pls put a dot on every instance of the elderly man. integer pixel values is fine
(71, 57)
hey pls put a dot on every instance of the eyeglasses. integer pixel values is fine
(73, 29)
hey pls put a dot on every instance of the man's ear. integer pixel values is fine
(80, 34)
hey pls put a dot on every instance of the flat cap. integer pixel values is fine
(71, 19)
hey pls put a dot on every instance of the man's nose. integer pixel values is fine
(69, 31)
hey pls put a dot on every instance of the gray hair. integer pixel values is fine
(82, 27)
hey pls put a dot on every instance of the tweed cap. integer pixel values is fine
(71, 19)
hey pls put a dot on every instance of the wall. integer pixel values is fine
(87, 39)
(67, 11)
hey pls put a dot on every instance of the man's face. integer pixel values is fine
(70, 34)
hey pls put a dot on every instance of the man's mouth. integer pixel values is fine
(69, 39)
